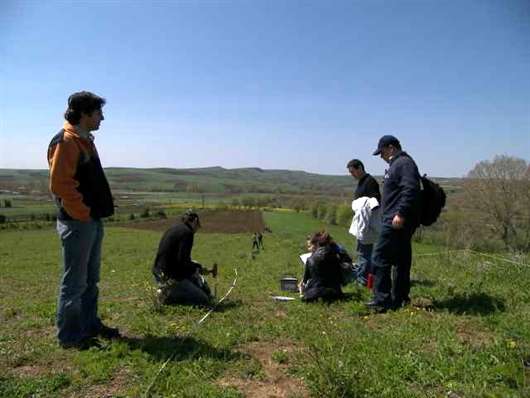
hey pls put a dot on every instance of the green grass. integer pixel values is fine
(469, 332)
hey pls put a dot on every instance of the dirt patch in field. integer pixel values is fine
(41, 368)
(30, 371)
(115, 387)
(45, 332)
(471, 334)
(212, 221)
(276, 382)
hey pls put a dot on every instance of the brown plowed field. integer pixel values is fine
(212, 221)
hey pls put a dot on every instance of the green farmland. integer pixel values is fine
(467, 333)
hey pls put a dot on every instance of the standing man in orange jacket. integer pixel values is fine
(83, 198)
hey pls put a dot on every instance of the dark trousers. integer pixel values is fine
(393, 248)
(192, 290)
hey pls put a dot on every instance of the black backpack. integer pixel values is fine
(432, 201)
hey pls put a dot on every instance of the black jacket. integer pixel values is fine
(322, 274)
(401, 190)
(367, 186)
(173, 258)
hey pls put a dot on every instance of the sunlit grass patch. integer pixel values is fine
(467, 330)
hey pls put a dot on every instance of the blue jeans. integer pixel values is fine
(364, 261)
(393, 249)
(77, 308)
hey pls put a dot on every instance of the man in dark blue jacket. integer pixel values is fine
(400, 212)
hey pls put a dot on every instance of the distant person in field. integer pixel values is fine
(179, 278)
(322, 272)
(255, 242)
(400, 216)
(83, 198)
(366, 220)
(260, 240)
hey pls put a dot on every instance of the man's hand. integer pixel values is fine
(398, 222)
(301, 287)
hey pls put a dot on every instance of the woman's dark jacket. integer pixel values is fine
(322, 274)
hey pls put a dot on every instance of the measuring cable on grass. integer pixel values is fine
(195, 327)
(473, 252)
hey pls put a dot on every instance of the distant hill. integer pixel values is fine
(206, 180)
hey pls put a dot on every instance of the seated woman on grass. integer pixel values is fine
(323, 273)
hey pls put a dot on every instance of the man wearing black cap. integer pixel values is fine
(400, 215)
(178, 277)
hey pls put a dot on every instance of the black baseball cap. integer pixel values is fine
(385, 141)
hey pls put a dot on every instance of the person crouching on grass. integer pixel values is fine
(179, 278)
(323, 273)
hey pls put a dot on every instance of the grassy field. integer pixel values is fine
(468, 333)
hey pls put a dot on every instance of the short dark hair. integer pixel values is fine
(190, 216)
(356, 164)
(321, 239)
(82, 102)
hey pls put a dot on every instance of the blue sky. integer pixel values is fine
(303, 85)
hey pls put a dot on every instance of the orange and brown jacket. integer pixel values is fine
(77, 179)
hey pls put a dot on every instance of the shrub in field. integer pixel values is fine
(132, 216)
(248, 202)
(344, 215)
(321, 211)
(3, 219)
(456, 229)
(222, 206)
(145, 213)
(497, 194)
(331, 215)
(313, 209)
(298, 205)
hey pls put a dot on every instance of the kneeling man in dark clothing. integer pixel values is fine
(180, 279)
